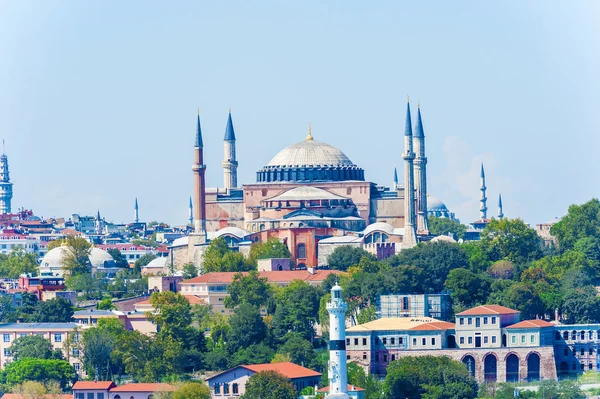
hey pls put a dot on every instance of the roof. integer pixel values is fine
(340, 239)
(306, 193)
(273, 277)
(230, 230)
(229, 133)
(310, 153)
(434, 204)
(93, 385)
(47, 396)
(192, 299)
(379, 226)
(37, 326)
(403, 324)
(531, 324)
(288, 369)
(351, 388)
(144, 387)
(488, 309)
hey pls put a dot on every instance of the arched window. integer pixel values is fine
(301, 251)
(117, 397)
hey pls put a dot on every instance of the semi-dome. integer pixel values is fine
(308, 161)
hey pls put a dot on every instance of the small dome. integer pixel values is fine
(54, 258)
(231, 230)
(159, 262)
(379, 226)
(99, 258)
(443, 238)
(434, 204)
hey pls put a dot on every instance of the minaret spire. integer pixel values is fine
(6, 192)
(410, 232)
(136, 216)
(500, 213)
(199, 170)
(191, 213)
(395, 179)
(98, 223)
(230, 163)
(421, 175)
(483, 200)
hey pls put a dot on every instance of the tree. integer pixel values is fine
(367, 314)
(189, 271)
(428, 377)
(119, 258)
(218, 257)
(29, 303)
(41, 370)
(249, 288)
(519, 296)
(191, 390)
(142, 261)
(76, 259)
(105, 304)
(581, 221)
(18, 262)
(246, 328)
(56, 310)
(502, 269)
(172, 313)
(467, 288)
(272, 248)
(435, 259)
(253, 354)
(345, 256)
(299, 350)
(510, 239)
(269, 385)
(297, 310)
(445, 226)
(33, 346)
(581, 305)
(99, 344)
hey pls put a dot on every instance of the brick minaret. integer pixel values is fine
(199, 170)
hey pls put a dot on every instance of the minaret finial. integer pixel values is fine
(230, 109)
(309, 137)
(198, 111)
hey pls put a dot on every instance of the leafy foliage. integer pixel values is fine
(269, 385)
(249, 288)
(444, 226)
(345, 256)
(17, 262)
(41, 370)
(220, 258)
(272, 248)
(33, 346)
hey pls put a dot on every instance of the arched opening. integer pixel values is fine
(563, 370)
(512, 368)
(301, 251)
(451, 342)
(490, 368)
(469, 362)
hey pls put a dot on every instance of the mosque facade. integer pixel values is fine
(309, 192)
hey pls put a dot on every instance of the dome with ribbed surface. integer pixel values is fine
(310, 153)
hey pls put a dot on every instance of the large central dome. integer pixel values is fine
(310, 160)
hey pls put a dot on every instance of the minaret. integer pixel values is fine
(338, 374)
(98, 223)
(410, 232)
(421, 175)
(229, 162)
(6, 193)
(500, 213)
(191, 213)
(136, 215)
(483, 207)
(395, 186)
(199, 170)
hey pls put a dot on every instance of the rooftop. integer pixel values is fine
(288, 369)
(144, 387)
(403, 323)
(93, 385)
(37, 326)
(488, 310)
(531, 324)
(274, 277)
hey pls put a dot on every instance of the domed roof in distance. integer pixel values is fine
(159, 262)
(100, 258)
(310, 153)
(379, 226)
(233, 231)
(54, 258)
(434, 204)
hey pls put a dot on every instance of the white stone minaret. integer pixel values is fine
(191, 213)
(230, 163)
(500, 212)
(410, 232)
(483, 201)
(338, 374)
(136, 214)
(6, 193)
(421, 175)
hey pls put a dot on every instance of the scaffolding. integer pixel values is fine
(437, 306)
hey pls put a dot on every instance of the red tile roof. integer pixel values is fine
(531, 324)
(488, 309)
(273, 277)
(351, 388)
(192, 299)
(141, 387)
(288, 369)
(435, 326)
(94, 385)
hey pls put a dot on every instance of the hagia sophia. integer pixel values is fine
(312, 197)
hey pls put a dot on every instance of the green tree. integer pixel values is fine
(142, 261)
(8, 312)
(445, 226)
(519, 296)
(581, 305)
(218, 257)
(191, 390)
(435, 259)
(345, 256)
(56, 310)
(105, 304)
(269, 385)
(18, 262)
(248, 288)
(502, 269)
(299, 350)
(189, 271)
(581, 221)
(28, 309)
(246, 328)
(272, 248)
(510, 239)
(253, 354)
(428, 377)
(467, 288)
(297, 310)
(99, 344)
(119, 258)
(33, 346)
(76, 255)
(41, 370)
(367, 314)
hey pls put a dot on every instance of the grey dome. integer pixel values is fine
(310, 153)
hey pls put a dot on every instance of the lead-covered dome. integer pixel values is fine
(308, 161)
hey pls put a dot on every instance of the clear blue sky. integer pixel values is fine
(98, 99)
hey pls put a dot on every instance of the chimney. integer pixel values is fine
(311, 270)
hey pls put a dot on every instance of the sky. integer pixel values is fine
(98, 100)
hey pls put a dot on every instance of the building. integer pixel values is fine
(56, 333)
(436, 306)
(132, 321)
(211, 288)
(108, 390)
(232, 383)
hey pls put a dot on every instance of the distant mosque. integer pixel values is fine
(313, 198)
